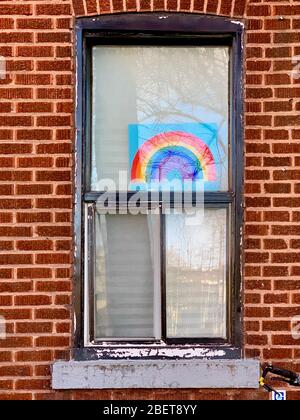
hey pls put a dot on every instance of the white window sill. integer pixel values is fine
(109, 374)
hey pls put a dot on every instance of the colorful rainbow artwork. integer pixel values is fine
(171, 154)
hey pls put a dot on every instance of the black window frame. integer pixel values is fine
(153, 29)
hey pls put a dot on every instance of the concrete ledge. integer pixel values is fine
(109, 374)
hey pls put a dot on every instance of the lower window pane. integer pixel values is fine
(126, 276)
(196, 259)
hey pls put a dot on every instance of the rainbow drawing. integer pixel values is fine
(172, 154)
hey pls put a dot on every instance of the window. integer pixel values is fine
(159, 212)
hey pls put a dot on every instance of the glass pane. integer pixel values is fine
(196, 274)
(159, 114)
(126, 272)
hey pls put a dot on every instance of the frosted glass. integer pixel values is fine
(153, 86)
(196, 274)
(126, 275)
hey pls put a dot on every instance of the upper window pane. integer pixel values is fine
(159, 114)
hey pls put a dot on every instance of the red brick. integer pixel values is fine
(51, 203)
(16, 342)
(35, 51)
(35, 162)
(275, 244)
(37, 189)
(285, 340)
(286, 285)
(286, 230)
(5, 301)
(276, 216)
(35, 245)
(33, 384)
(287, 202)
(287, 120)
(5, 356)
(131, 5)
(63, 217)
(52, 341)
(212, 6)
(53, 175)
(253, 216)
(257, 312)
(15, 121)
(64, 23)
(11, 396)
(63, 300)
(157, 4)
(53, 121)
(15, 231)
(286, 312)
(276, 325)
(15, 259)
(15, 287)
(277, 161)
(256, 257)
(6, 189)
(287, 92)
(63, 52)
(33, 79)
(60, 148)
(275, 271)
(15, 148)
(278, 134)
(286, 257)
(61, 93)
(54, 37)
(30, 23)
(255, 230)
(15, 9)
(15, 176)
(57, 230)
(272, 298)
(16, 37)
(53, 9)
(6, 217)
(279, 52)
(53, 258)
(253, 298)
(295, 243)
(15, 370)
(296, 299)
(6, 245)
(277, 353)
(34, 356)
(78, 7)
(256, 340)
(258, 201)
(53, 286)
(277, 24)
(33, 217)
(278, 188)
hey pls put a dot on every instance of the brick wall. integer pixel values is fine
(36, 189)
